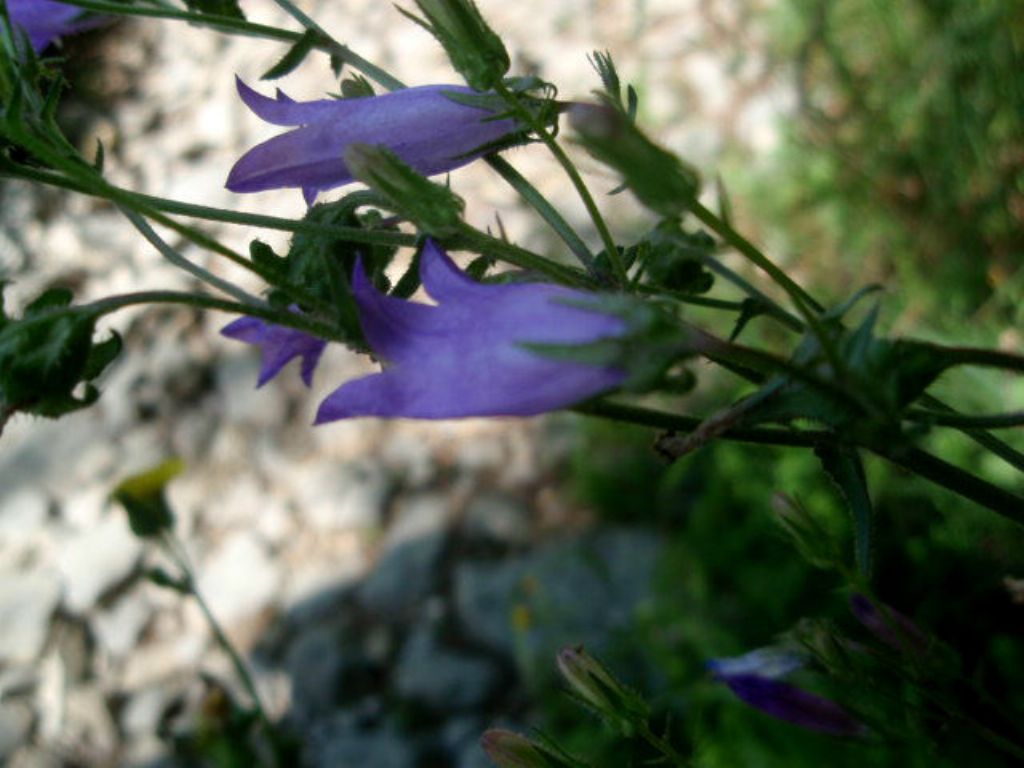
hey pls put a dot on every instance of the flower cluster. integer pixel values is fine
(465, 356)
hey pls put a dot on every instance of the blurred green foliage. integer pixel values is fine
(730, 582)
(905, 159)
(903, 164)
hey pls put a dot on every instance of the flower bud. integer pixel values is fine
(143, 498)
(596, 686)
(472, 47)
(658, 178)
(510, 750)
(888, 625)
(434, 208)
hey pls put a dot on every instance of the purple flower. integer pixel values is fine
(787, 702)
(422, 125)
(278, 346)
(888, 625)
(46, 20)
(466, 356)
(754, 678)
(772, 663)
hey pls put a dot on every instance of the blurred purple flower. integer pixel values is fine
(423, 126)
(46, 20)
(278, 346)
(466, 356)
(754, 678)
(887, 624)
(773, 663)
(794, 705)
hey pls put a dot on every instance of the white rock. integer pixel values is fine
(239, 579)
(117, 629)
(142, 712)
(27, 600)
(85, 509)
(22, 510)
(93, 561)
(333, 497)
(23, 514)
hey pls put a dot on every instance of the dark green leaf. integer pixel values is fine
(845, 469)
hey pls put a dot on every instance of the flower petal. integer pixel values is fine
(422, 125)
(794, 705)
(467, 355)
(278, 346)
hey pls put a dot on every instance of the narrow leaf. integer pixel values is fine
(844, 467)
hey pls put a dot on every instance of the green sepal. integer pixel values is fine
(293, 57)
(356, 87)
(658, 178)
(434, 208)
(476, 52)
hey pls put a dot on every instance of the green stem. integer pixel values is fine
(224, 215)
(535, 125)
(803, 301)
(228, 24)
(801, 298)
(986, 440)
(648, 417)
(663, 746)
(291, 319)
(966, 421)
(473, 240)
(988, 358)
(774, 310)
(177, 553)
(547, 211)
(184, 264)
(959, 481)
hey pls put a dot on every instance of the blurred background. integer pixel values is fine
(399, 587)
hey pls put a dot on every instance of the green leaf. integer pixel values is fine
(48, 354)
(844, 467)
(293, 57)
(101, 355)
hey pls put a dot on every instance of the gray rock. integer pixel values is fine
(344, 748)
(407, 570)
(95, 560)
(240, 579)
(15, 724)
(495, 519)
(442, 679)
(315, 661)
(577, 590)
(27, 600)
(117, 628)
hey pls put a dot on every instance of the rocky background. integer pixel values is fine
(396, 587)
